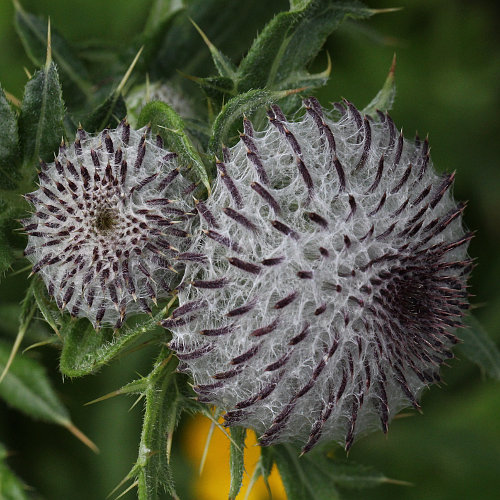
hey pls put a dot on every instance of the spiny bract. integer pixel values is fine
(110, 224)
(335, 271)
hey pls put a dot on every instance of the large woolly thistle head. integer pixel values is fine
(335, 272)
(110, 224)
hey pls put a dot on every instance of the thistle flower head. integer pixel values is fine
(335, 273)
(110, 224)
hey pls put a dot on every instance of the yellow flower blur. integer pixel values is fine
(213, 483)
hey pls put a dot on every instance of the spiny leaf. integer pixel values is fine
(291, 41)
(85, 351)
(170, 126)
(152, 468)
(236, 460)
(384, 99)
(33, 33)
(135, 387)
(42, 114)
(9, 145)
(237, 107)
(479, 347)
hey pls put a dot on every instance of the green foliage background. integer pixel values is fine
(448, 81)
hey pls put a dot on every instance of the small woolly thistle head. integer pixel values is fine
(110, 225)
(167, 92)
(335, 274)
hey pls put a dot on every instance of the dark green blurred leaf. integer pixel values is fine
(9, 145)
(11, 488)
(33, 33)
(236, 460)
(158, 11)
(86, 351)
(152, 37)
(384, 99)
(9, 312)
(6, 254)
(107, 115)
(479, 347)
(266, 461)
(229, 24)
(223, 64)
(11, 239)
(351, 475)
(302, 477)
(27, 388)
(113, 109)
(170, 126)
(280, 54)
(42, 113)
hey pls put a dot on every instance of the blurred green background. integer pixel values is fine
(448, 81)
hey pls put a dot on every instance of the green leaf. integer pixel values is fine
(479, 347)
(11, 488)
(170, 126)
(302, 477)
(236, 460)
(234, 109)
(384, 99)
(9, 145)
(33, 33)
(291, 41)
(42, 113)
(85, 351)
(27, 388)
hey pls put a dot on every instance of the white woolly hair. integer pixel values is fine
(335, 270)
(167, 92)
(110, 224)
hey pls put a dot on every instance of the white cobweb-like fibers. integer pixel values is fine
(110, 225)
(335, 272)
